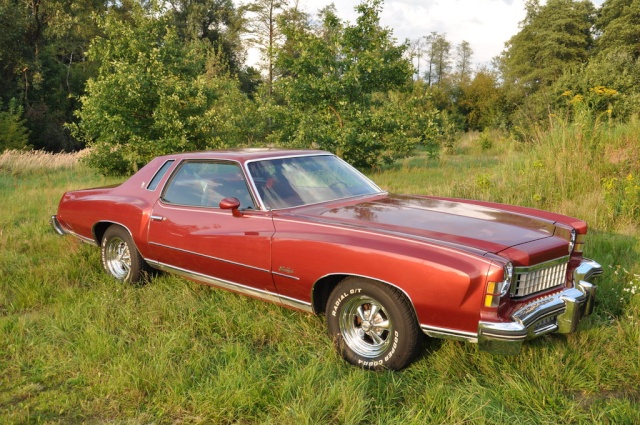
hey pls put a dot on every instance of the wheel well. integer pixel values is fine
(99, 229)
(322, 289)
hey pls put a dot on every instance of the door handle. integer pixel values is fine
(157, 218)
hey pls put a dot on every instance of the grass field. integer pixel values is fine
(76, 347)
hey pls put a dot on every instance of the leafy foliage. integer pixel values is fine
(570, 73)
(13, 51)
(165, 76)
(216, 21)
(480, 101)
(42, 63)
(347, 91)
(155, 94)
(619, 25)
(553, 37)
(13, 132)
(608, 86)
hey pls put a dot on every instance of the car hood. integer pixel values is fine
(474, 227)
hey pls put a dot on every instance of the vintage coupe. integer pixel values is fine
(306, 230)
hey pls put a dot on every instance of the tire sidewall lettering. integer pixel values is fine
(103, 256)
(366, 363)
(394, 346)
(402, 339)
(342, 297)
(387, 357)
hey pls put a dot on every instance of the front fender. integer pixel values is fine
(444, 285)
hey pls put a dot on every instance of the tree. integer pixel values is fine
(464, 53)
(42, 62)
(13, 49)
(439, 58)
(552, 38)
(415, 53)
(345, 88)
(481, 101)
(216, 21)
(266, 34)
(13, 132)
(618, 24)
(156, 94)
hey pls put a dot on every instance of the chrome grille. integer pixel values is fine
(529, 280)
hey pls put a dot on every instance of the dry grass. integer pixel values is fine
(18, 162)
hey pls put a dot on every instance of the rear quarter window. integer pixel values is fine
(153, 184)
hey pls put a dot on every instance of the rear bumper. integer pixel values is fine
(559, 313)
(56, 226)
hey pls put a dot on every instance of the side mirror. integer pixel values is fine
(232, 204)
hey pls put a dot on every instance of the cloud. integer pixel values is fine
(485, 24)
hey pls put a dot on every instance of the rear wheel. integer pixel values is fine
(120, 257)
(372, 324)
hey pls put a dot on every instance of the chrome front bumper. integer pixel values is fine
(559, 313)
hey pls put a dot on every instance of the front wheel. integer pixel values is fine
(373, 324)
(120, 257)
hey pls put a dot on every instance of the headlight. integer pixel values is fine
(572, 240)
(508, 277)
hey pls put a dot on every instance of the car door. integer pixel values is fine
(190, 234)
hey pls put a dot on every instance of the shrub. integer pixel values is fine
(485, 141)
(13, 132)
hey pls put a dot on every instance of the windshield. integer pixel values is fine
(291, 182)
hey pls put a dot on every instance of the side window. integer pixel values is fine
(153, 184)
(205, 184)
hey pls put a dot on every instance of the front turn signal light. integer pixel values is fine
(579, 247)
(497, 290)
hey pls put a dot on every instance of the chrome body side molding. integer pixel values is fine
(235, 287)
(452, 334)
(205, 256)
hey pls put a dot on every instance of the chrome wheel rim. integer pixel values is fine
(365, 326)
(118, 258)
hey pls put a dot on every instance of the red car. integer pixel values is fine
(306, 230)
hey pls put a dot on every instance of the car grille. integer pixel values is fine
(530, 280)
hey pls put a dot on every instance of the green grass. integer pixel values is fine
(76, 347)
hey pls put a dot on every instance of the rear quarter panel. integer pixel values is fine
(127, 204)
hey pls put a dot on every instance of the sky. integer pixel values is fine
(485, 24)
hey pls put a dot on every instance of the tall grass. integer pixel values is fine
(587, 169)
(76, 347)
(20, 162)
